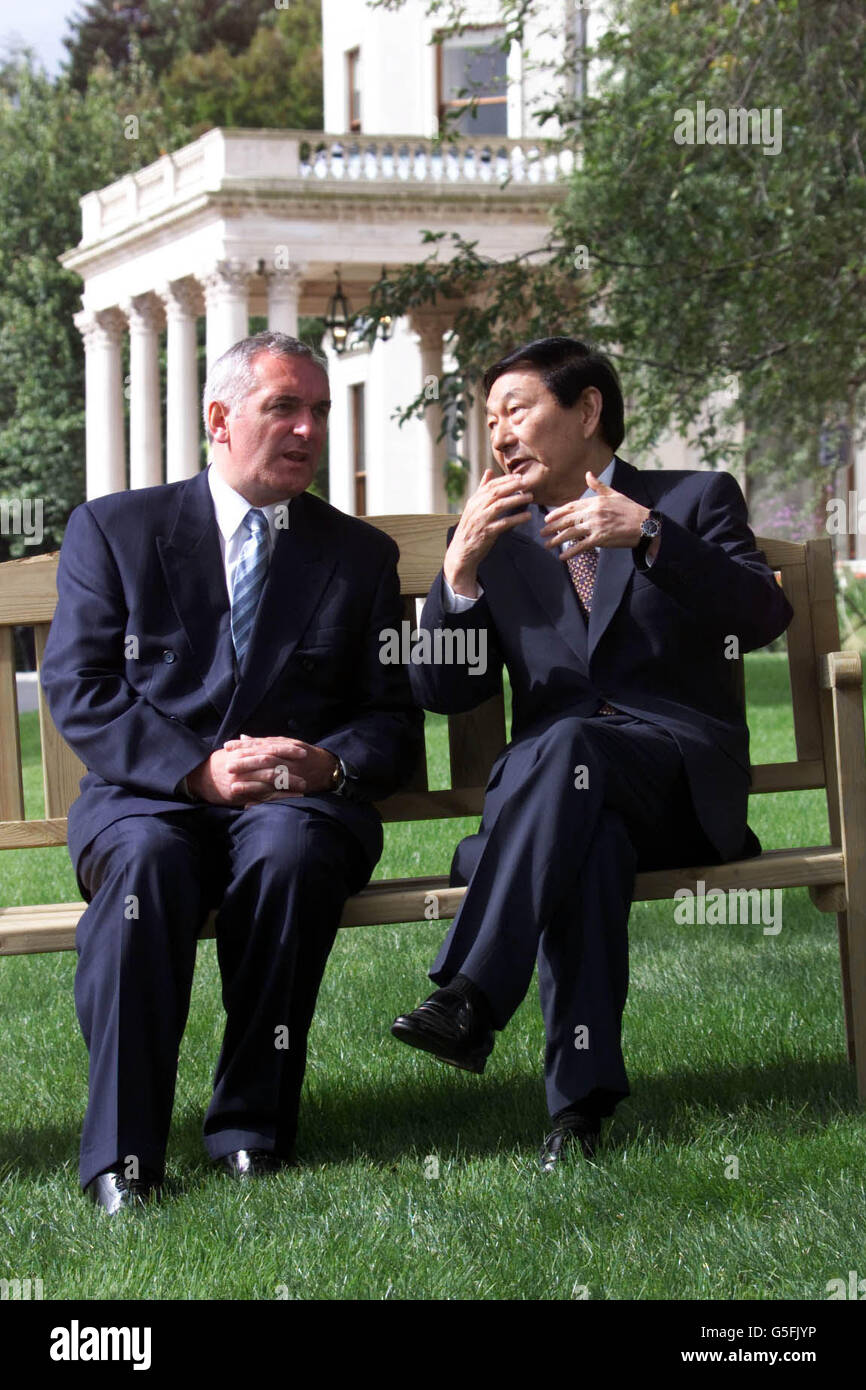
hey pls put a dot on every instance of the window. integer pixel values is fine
(353, 88)
(471, 66)
(359, 465)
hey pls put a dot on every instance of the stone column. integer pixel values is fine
(145, 408)
(430, 327)
(106, 456)
(478, 440)
(284, 290)
(226, 297)
(182, 300)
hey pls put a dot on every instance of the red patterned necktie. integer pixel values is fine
(583, 568)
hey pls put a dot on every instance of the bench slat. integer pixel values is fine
(11, 788)
(61, 769)
(25, 930)
(28, 593)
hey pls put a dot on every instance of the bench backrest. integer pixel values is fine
(28, 597)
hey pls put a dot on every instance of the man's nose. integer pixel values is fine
(304, 422)
(501, 435)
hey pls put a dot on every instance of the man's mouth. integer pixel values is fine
(516, 465)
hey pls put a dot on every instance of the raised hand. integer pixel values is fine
(609, 519)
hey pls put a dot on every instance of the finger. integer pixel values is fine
(593, 482)
(506, 523)
(509, 499)
(250, 791)
(239, 764)
(583, 507)
(577, 548)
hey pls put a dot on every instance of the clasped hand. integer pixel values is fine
(248, 770)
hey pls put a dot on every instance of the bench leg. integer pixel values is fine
(843, 674)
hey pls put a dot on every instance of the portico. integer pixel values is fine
(255, 223)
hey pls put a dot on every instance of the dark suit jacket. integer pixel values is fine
(655, 643)
(139, 670)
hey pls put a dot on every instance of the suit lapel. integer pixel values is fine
(195, 578)
(297, 575)
(548, 579)
(615, 563)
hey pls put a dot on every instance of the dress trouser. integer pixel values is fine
(571, 811)
(281, 874)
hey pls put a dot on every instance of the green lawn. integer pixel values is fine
(735, 1048)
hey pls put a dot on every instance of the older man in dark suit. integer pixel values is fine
(214, 661)
(620, 602)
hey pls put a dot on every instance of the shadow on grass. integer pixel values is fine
(473, 1117)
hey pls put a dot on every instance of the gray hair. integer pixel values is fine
(231, 378)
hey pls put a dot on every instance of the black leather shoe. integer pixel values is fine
(253, 1163)
(115, 1192)
(448, 1026)
(586, 1134)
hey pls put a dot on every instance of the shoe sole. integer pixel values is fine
(424, 1044)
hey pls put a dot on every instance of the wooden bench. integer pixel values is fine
(826, 687)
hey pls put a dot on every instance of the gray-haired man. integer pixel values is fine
(214, 662)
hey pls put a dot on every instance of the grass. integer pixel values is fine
(735, 1048)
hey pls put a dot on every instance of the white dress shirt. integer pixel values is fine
(230, 510)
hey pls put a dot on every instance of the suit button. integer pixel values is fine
(307, 663)
(168, 657)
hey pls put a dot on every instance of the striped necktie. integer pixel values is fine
(249, 580)
(583, 569)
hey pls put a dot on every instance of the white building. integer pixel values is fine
(244, 223)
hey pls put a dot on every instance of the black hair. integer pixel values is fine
(567, 366)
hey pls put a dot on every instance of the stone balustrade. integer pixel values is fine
(223, 161)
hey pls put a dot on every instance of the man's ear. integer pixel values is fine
(590, 405)
(218, 421)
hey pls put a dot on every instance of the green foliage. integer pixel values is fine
(275, 82)
(55, 144)
(60, 139)
(158, 31)
(706, 262)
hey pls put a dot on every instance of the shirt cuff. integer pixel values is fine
(458, 603)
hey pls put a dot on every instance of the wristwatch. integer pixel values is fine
(650, 527)
(338, 776)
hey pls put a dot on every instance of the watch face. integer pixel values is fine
(650, 527)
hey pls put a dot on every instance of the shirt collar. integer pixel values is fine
(231, 508)
(605, 477)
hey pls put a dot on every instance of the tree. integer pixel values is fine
(58, 140)
(55, 144)
(275, 82)
(157, 32)
(694, 264)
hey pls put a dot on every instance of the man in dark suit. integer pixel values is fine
(214, 661)
(620, 602)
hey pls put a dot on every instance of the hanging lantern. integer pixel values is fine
(338, 318)
(386, 322)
